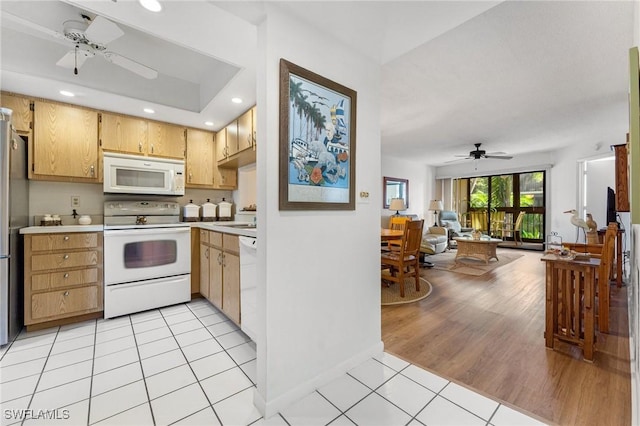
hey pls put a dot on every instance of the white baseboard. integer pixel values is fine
(270, 408)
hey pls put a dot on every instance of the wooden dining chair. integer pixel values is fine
(396, 223)
(603, 278)
(406, 261)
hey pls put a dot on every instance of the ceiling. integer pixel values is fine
(520, 77)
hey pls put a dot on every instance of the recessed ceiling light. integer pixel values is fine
(208, 123)
(151, 5)
(236, 100)
(149, 111)
(67, 93)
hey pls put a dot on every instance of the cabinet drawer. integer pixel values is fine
(204, 236)
(64, 241)
(55, 280)
(231, 242)
(65, 302)
(215, 238)
(42, 262)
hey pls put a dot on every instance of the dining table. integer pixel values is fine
(390, 234)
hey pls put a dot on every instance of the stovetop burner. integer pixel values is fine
(139, 214)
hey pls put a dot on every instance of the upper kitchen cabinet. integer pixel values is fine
(221, 145)
(167, 140)
(65, 143)
(22, 117)
(239, 149)
(227, 143)
(128, 135)
(200, 158)
(246, 130)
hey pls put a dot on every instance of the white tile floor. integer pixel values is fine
(186, 364)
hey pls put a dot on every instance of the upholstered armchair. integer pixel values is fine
(449, 219)
(434, 240)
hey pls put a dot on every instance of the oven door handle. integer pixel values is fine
(138, 231)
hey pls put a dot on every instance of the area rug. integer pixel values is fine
(446, 262)
(391, 294)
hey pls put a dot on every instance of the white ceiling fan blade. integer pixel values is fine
(131, 65)
(21, 23)
(499, 157)
(69, 59)
(103, 31)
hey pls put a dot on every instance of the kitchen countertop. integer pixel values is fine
(61, 228)
(226, 227)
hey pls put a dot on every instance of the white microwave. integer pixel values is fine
(134, 174)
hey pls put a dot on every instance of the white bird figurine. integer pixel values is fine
(578, 222)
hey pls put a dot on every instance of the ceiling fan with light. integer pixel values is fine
(478, 153)
(90, 37)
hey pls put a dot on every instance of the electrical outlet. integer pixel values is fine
(75, 201)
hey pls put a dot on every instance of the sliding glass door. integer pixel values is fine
(494, 203)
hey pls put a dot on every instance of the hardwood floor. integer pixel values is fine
(486, 332)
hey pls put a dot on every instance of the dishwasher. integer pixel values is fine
(248, 286)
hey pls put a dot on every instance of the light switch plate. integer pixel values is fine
(363, 197)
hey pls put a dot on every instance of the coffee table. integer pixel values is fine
(482, 249)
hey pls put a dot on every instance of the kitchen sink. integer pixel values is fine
(242, 225)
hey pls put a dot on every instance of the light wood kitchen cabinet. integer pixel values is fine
(167, 140)
(133, 135)
(65, 143)
(22, 118)
(246, 130)
(220, 272)
(232, 138)
(238, 148)
(226, 178)
(63, 278)
(221, 145)
(200, 158)
(121, 133)
(227, 143)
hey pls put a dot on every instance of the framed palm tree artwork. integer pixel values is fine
(317, 141)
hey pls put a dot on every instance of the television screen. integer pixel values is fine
(611, 206)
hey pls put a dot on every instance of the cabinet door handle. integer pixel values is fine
(152, 148)
(66, 293)
(66, 275)
(92, 170)
(219, 258)
(190, 175)
(66, 238)
(66, 256)
(140, 146)
(206, 253)
(224, 258)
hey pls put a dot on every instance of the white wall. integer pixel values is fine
(245, 195)
(421, 187)
(601, 174)
(320, 310)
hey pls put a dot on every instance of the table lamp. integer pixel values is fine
(397, 204)
(435, 206)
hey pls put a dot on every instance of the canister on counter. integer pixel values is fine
(208, 211)
(191, 212)
(224, 210)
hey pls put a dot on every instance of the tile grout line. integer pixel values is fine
(93, 365)
(41, 372)
(192, 372)
(146, 389)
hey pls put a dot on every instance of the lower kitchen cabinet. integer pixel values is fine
(220, 272)
(63, 278)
